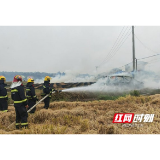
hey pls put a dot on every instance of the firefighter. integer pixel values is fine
(47, 90)
(20, 102)
(3, 95)
(30, 94)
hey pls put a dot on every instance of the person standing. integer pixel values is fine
(3, 95)
(30, 94)
(20, 102)
(47, 90)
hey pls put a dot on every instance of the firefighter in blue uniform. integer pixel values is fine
(30, 94)
(47, 90)
(3, 95)
(20, 102)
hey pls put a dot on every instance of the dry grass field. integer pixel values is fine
(91, 117)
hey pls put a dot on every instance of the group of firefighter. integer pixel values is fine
(23, 103)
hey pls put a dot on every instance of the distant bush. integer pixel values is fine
(108, 97)
(135, 93)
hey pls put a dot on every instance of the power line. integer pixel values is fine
(142, 58)
(119, 46)
(115, 44)
(117, 49)
(149, 56)
(144, 44)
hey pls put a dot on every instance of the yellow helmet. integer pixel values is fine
(30, 80)
(47, 78)
(2, 78)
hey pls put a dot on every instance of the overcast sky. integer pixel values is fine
(70, 48)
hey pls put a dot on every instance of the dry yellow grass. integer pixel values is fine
(87, 117)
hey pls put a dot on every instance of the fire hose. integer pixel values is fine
(33, 106)
(39, 102)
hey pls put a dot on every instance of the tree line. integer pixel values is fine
(36, 75)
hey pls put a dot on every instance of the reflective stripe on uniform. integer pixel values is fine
(27, 89)
(23, 124)
(20, 101)
(44, 87)
(18, 124)
(30, 97)
(5, 111)
(3, 96)
(14, 90)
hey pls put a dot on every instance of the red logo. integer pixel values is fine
(123, 118)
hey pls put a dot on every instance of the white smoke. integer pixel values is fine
(70, 76)
(142, 80)
(100, 86)
(150, 79)
(149, 83)
(38, 81)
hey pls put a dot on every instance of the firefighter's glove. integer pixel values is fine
(56, 91)
(52, 90)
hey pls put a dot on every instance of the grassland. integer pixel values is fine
(87, 117)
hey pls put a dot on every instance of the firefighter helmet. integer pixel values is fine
(47, 78)
(30, 80)
(2, 78)
(17, 78)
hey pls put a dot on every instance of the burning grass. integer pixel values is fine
(91, 117)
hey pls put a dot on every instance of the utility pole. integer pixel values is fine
(133, 46)
(136, 64)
